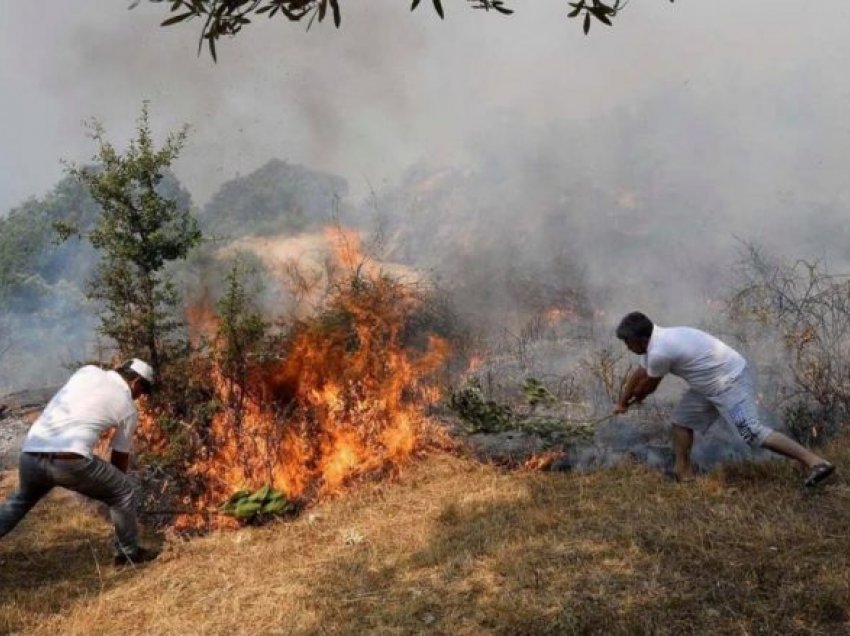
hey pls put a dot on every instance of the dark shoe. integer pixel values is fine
(141, 555)
(818, 474)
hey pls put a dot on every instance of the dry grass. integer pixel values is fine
(459, 548)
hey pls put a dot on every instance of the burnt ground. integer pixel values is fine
(632, 438)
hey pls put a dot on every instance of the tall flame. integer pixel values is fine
(345, 397)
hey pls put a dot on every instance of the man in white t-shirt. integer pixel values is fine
(720, 384)
(58, 451)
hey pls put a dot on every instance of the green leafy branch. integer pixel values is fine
(481, 415)
(598, 9)
(229, 17)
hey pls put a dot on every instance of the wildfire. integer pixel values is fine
(543, 461)
(344, 398)
(554, 316)
(475, 363)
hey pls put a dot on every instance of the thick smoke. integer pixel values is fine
(392, 87)
(634, 159)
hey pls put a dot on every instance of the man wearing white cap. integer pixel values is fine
(58, 450)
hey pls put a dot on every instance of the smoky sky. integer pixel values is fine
(686, 126)
(392, 88)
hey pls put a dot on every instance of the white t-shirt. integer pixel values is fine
(704, 362)
(92, 401)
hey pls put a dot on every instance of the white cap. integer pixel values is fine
(142, 368)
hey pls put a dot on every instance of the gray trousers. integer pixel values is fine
(91, 477)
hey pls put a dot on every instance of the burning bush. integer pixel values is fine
(307, 407)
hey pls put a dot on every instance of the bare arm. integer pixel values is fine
(638, 386)
(120, 460)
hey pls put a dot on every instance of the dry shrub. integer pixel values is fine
(309, 407)
(455, 547)
(806, 310)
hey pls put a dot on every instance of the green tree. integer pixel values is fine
(139, 231)
(278, 197)
(241, 334)
(229, 17)
(32, 265)
(241, 325)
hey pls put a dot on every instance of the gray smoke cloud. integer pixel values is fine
(392, 87)
(649, 146)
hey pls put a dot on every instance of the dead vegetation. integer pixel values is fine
(446, 545)
(455, 547)
(805, 309)
(303, 406)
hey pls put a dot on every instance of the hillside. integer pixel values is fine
(457, 547)
(276, 197)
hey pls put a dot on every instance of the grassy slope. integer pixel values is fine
(459, 548)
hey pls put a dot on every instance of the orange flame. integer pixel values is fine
(544, 460)
(344, 398)
(200, 318)
(475, 362)
(556, 315)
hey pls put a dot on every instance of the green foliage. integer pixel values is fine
(178, 443)
(33, 266)
(488, 416)
(43, 307)
(482, 415)
(229, 17)
(601, 11)
(278, 197)
(242, 329)
(258, 506)
(536, 393)
(139, 231)
(183, 390)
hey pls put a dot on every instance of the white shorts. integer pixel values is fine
(736, 405)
